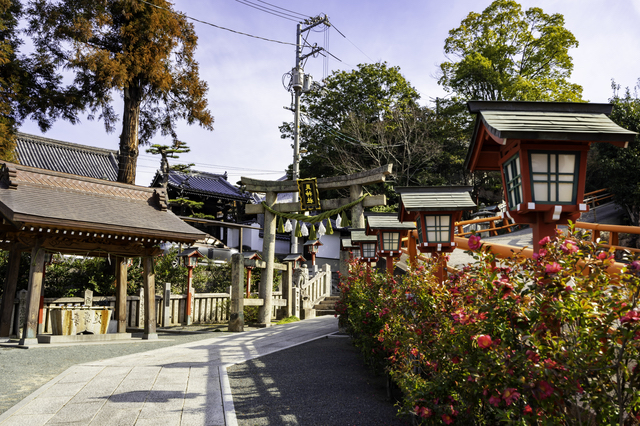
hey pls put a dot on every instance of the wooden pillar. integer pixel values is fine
(287, 285)
(121, 294)
(149, 300)
(441, 266)
(9, 294)
(268, 251)
(236, 310)
(541, 229)
(389, 260)
(188, 315)
(357, 211)
(412, 246)
(29, 335)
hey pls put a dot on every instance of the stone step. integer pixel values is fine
(323, 312)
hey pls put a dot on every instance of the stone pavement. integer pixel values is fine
(179, 385)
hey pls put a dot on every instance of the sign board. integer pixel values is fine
(309, 196)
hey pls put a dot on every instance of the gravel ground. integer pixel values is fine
(323, 382)
(23, 371)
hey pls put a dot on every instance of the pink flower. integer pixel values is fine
(494, 400)
(630, 317)
(447, 419)
(544, 241)
(510, 395)
(546, 390)
(474, 242)
(569, 247)
(534, 357)
(455, 360)
(527, 409)
(484, 341)
(423, 412)
(553, 268)
(603, 255)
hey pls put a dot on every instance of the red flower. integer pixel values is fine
(527, 409)
(630, 317)
(544, 241)
(546, 390)
(534, 357)
(553, 268)
(484, 341)
(494, 400)
(510, 395)
(474, 242)
(423, 412)
(447, 419)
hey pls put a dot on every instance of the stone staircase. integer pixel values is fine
(326, 307)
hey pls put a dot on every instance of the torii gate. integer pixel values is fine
(354, 182)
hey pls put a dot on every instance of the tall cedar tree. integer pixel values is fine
(30, 87)
(506, 54)
(143, 51)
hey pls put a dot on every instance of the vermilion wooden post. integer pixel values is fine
(189, 290)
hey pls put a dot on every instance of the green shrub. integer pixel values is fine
(550, 340)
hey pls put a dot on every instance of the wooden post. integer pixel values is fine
(287, 285)
(29, 336)
(389, 260)
(149, 300)
(412, 246)
(188, 315)
(166, 305)
(9, 294)
(357, 211)
(268, 251)
(121, 294)
(236, 310)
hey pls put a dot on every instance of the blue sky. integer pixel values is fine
(246, 95)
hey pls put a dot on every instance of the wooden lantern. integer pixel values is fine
(368, 245)
(434, 211)
(540, 149)
(389, 231)
(313, 246)
(189, 258)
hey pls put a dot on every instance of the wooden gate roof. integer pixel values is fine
(76, 214)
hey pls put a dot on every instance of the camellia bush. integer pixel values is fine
(544, 341)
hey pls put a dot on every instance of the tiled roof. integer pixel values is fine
(46, 198)
(66, 157)
(436, 198)
(203, 183)
(388, 221)
(360, 236)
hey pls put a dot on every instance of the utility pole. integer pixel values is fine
(301, 83)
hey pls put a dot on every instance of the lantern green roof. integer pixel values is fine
(436, 198)
(346, 243)
(360, 236)
(542, 121)
(388, 221)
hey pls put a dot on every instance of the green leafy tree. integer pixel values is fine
(619, 168)
(144, 50)
(30, 87)
(165, 153)
(505, 53)
(370, 117)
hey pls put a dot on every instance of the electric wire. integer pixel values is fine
(342, 136)
(266, 10)
(340, 32)
(217, 26)
(287, 10)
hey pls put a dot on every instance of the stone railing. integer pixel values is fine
(312, 290)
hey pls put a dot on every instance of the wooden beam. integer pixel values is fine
(334, 203)
(368, 177)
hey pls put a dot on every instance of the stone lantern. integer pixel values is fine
(368, 245)
(540, 149)
(189, 258)
(389, 231)
(296, 259)
(434, 210)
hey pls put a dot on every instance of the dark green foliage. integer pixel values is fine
(619, 168)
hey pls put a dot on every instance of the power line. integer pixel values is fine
(282, 8)
(340, 32)
(269, 11)
(217, 26)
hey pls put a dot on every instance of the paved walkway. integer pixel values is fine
(179, 385)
